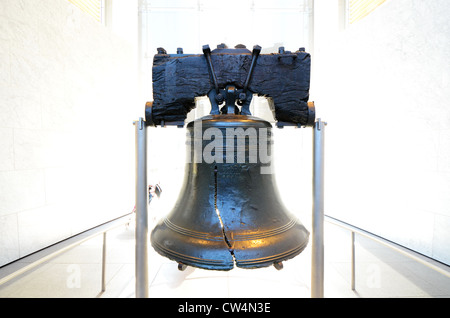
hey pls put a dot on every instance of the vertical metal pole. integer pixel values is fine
(141, 211)
(104, 263)
(353, 260)
(317, 259)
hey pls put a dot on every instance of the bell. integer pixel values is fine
(229, 212)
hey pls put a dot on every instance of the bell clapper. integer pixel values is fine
(182, 267)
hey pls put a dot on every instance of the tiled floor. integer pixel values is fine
(380, 272)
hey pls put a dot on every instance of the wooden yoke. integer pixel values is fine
(179, 78)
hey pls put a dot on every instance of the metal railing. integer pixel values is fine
(420, 258)
(70, 243)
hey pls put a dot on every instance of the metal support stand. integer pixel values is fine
(104, 263)
(317, 258)
(317, 263)
(141, 210)
(353, 260)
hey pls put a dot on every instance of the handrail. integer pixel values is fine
(425, 260)
(103, 228)
(68, 244)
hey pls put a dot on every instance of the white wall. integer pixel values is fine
(383, 85)
(68, 88)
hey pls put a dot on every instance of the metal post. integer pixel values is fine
(317, 259)
(353, 260)
(104, 263)
(141, 211)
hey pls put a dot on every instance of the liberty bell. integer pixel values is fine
(229, 212)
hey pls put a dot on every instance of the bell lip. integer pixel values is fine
(222, 259)
(231, 120)
(231, 256)
(270, 260)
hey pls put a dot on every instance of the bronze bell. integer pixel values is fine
(229, 210)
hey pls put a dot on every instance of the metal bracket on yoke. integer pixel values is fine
(230, 95)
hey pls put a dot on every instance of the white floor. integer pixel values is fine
(380, 272)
